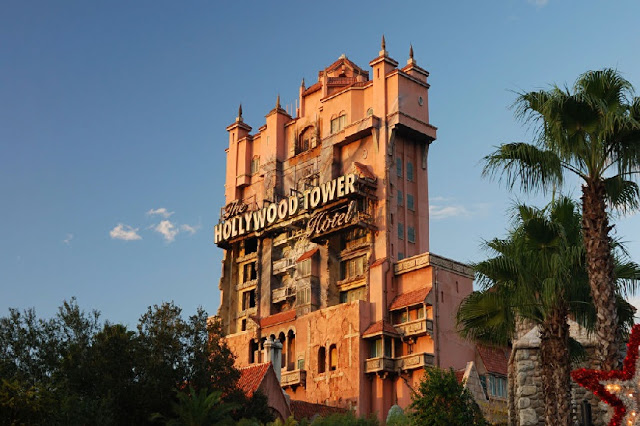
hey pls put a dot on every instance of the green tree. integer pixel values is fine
(538, 274)
(199, 408)
(441, 400)
(593, 133)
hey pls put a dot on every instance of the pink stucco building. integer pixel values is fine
(325, 232)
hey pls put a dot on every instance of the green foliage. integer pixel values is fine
(440, 400)
(396, 417)
(73, 370)
(199, 408)
(345, 419)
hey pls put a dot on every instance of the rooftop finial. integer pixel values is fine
(383, 45)
(302, 84)
(278, 101)
(240, 113)
(411, 51)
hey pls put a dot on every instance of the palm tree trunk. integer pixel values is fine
(547, 376)
(597, 244)
(561, 365)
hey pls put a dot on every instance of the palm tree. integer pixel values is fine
(538, 275)
(592, 132)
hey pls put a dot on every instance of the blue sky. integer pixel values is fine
(113, 116)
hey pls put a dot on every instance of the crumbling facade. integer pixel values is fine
(325, 232)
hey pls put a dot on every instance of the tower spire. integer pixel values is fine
(383, 47)
(278, 101)
(240, 113)
(302, 84)
(410, 51)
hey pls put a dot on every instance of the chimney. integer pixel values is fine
(273, 352)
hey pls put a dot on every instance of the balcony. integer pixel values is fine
(281, 266)
(246, 284)
(280, 294)
(414, 361)
(293, 378)
(379, 365)
(416, 328)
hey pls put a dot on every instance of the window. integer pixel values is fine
(400, 255)
(353, 268)
(401, 198)
(322, 359)
(411, 234)
(250, 245)
(304, 268)
(399, 167)
(353, 294)
(303, 296)
(354, 238)
(376, 348)
(410, 202)
(338, 123)
(305, 140)
(301, 364)
(255, 165)
(243, 326)
(497, 386)
(400, 231)
(409, 171)
(248, 299)
(333, 357)
(249, 272)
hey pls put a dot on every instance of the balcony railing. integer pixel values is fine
(414, 361)
(416, 328)
(282, 265)
(377, 365)
(293, 378)
(280, 294)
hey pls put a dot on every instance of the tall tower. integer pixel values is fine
(325, 232)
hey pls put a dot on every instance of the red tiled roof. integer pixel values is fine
(313, 88)
(346, 61)
(307, 410)
(307, 254)
(277, 318)
(251, 377)
(411, 298)
(380, 326)
(364, 170)
(378, 262)
(495, 359)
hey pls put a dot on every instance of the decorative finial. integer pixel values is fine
(302, 84)
(240, 112)
(278, 101)
(383, 45)
(411, 51)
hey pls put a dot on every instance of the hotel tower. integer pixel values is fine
(327, 270)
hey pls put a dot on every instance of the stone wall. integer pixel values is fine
(529, 399)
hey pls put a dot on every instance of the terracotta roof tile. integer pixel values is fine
(378, 262)
(251, 377)
(277, 318)
(380, 326)
(307, 410)
(495, 359)
(307, 254)
(411, 298)
(364, 170)
(313, 88)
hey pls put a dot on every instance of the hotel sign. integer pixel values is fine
(237, 221)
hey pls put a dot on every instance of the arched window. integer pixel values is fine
(282, 340)
(333, 357)
(253, 351)
(305, 140)
(322, 359)
(291, 350)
